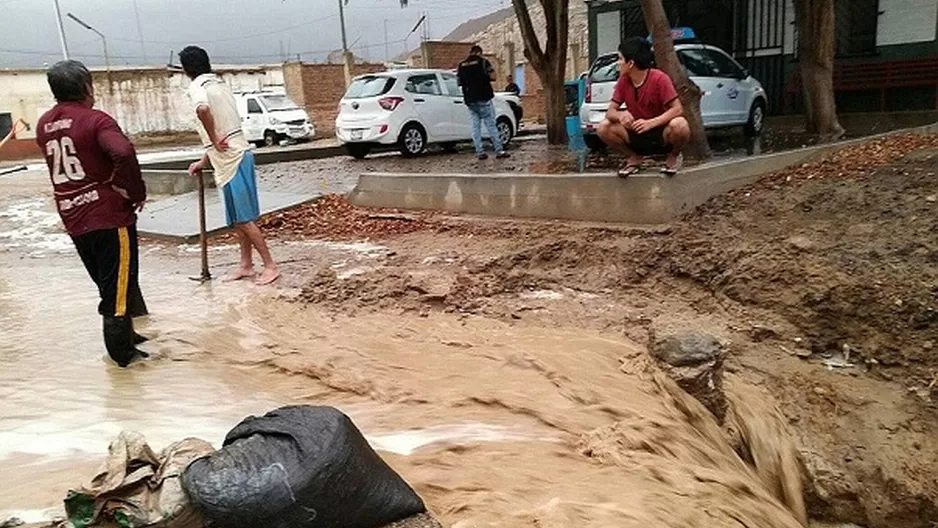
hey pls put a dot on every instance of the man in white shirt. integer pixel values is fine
(226, 148)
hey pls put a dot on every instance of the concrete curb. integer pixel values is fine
(641, 199)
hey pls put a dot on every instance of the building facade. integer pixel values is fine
(887, 50)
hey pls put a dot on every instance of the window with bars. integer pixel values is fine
(855, 26)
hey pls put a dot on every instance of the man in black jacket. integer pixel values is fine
(475, 77)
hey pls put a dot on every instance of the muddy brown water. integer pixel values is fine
(493, 424)
(63, 400)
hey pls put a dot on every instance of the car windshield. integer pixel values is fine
(370, 86)
(605, 69)
(275, 103)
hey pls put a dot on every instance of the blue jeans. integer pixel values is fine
(484, 112)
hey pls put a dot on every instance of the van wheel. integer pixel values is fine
(271, 138)
(412, 141)
(357, 150)
(505, 130)
(756, 119)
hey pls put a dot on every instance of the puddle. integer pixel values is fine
(31, 229)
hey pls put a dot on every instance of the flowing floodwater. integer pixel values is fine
(493, 424)
(63, 401)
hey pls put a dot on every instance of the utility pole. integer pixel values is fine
(346, 55)
(387, 51)
(58, 17)
(143, 46)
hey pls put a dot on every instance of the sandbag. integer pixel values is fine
(137, 488)
(298, 467)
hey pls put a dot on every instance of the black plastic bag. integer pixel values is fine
(298, 467)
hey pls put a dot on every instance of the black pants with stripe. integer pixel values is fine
(111, 258)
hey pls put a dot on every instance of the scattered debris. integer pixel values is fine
(332, 217)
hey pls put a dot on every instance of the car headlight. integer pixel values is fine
(274, 121)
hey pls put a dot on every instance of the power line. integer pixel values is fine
(221, 57)
(232, 39)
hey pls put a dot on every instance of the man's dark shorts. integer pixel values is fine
(650, 143)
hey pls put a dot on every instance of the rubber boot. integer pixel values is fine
(119, 340)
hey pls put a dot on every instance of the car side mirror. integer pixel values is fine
(744, 74)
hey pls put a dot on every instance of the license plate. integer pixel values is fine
(357, 134)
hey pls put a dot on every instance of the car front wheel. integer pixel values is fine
(412, 141)
(271, 138)
(756, 119)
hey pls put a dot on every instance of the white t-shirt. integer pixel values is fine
(211, 91)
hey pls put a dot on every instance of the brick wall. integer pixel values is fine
(319, 87)
(443, 55)
(533, 98)
(20, 149)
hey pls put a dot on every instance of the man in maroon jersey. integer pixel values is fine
(98, 191)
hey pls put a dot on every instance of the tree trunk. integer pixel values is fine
(555, 107)
(815, 20)
(549, 61)
(660, 28)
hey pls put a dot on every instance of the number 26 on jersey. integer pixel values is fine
(66, 166)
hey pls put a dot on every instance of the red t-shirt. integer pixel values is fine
(88, 156)
(649, 100)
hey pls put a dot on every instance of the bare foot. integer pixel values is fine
(268, 276)
(238, 274)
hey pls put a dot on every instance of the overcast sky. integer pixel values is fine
(233, 31)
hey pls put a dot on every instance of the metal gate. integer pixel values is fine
(759, 45)
(751, 30)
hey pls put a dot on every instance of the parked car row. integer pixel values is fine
(411, 109)
(404, 109)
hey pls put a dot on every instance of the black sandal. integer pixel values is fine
(629, 170)
(678, 165)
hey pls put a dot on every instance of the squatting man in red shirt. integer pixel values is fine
(651, 123)
(98, 191)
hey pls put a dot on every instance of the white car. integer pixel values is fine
(410, 109)
(267, 118)
(731, 97)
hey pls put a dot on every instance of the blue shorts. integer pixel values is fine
(239, 196)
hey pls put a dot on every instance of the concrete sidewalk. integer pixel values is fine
(647, 198)
(177, 219)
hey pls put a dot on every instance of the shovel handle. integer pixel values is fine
(203, 237)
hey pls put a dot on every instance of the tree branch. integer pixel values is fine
(532, 48)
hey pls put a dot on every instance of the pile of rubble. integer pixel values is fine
(333, 218)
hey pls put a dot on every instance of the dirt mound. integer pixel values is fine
(847, 253)
(464, 285)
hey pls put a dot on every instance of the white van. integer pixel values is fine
(267, 118)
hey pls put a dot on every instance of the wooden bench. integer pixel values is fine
(878, 76)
